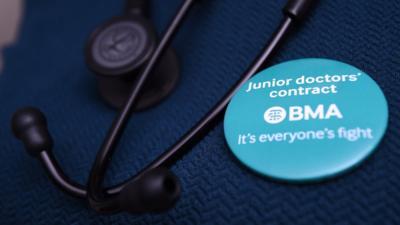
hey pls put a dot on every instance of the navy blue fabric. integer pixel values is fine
(218, 42)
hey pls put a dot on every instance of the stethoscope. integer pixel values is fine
(154, 188)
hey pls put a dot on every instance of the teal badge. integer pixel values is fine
(306, 119)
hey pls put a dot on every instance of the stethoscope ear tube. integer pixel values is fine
(99, 200)
(294, 12)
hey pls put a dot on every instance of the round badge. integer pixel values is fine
(306, 119)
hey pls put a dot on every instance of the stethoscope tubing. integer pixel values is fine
(104, 200)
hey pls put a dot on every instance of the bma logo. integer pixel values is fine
(277, 114)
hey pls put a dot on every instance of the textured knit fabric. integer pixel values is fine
(219, 40)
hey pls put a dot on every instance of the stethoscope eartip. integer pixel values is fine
(30, 126)
(155, 191)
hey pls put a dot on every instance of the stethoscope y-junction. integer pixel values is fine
(154, 188)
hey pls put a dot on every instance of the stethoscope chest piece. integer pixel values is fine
(117, 51)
